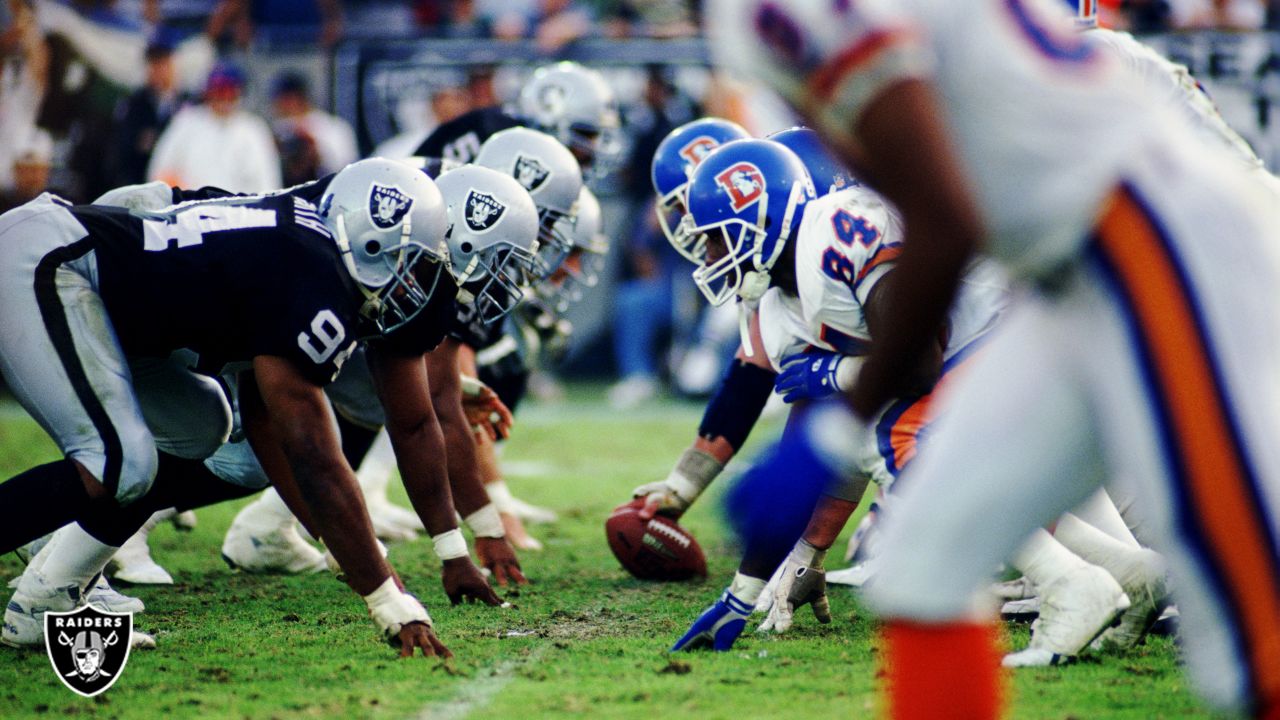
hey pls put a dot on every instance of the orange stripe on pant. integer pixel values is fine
(1209, 463)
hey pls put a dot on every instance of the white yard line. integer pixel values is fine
(480, 690)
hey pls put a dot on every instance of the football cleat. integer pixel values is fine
(184, 521)
(854, 576)
(1144, 581)
(268, 548)
(133, 562)
(1074, 609)
(532, 513)
(24, 615)
(104, 597)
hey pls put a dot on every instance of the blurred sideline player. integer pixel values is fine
(1131, 234)
(121, 272)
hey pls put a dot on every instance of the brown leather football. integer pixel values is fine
(656, 549)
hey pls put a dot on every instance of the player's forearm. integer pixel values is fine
(828, 519)
(419, 451)
(464, 470)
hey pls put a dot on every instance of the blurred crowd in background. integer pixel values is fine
(238, 93)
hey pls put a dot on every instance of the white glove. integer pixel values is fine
(692, 474)
(802, 581)
(392, 608)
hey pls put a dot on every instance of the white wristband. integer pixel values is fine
(500, 495)
(847, 371)
(485, 523)
(450, 545)
(392, 608)
(471, 387)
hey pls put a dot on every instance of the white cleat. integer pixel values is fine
(269, 550)
(393, 523)
(139, 640)
(1074, 609)
(1144, 581)
(24, 615)
(133, 563)
(104, 597)
(855, 576)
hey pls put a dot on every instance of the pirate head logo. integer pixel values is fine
(530, 172)
(551, 99)
(388, 206)
(698, 148)
(88, 647)
(743, 183)
(482, 211)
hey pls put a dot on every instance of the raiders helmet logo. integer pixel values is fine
(743, 183)
(698, 148)
(530, 172)
(388, 206)
(88, 647)
(482, 211)
(551, 98)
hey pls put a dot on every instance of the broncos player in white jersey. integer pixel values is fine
(1144, 350)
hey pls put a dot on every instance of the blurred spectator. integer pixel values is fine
(447, 103)
(480, 87)
(558, 23)
(1221, 14)
(332, 137)
(651, 18)
(31, 164)
(298, 20)
(24, 68)
(218, 143)
(145, 114)
(452, 18)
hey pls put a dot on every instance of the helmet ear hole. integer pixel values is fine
(373, 247)
(466, 247)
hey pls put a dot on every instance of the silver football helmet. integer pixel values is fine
(582, 268)
(551, 175)
(388, 220)
(576, 105)
(492, 236)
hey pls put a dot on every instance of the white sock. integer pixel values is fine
(746, 588)
(269, 510)
(1100, 512)
(76, 558)
(501, 497)
(37, 560)
(1043, 560)
(1095, 546)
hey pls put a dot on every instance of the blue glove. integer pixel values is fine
(808, 376)
(770, 504)
(718, 626)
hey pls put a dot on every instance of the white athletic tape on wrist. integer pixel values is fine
(847, 372)
(500, 495)
(471, 387)
(450, 545)
(693, 472)
(746, 588)
(485, 523)
(392, 608)
(808, 555)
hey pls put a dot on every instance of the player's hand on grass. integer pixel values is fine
(498, 557)
(718, 626)
(419, 635)
(463, 581)
(803, 581)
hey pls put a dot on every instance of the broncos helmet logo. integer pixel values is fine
(696, 149)
(388, 206)
(482, 211)
(530, 172)
(743, 183)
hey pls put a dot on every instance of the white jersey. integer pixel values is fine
(1174, 83)
(1023, 96)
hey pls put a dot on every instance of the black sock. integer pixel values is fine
(41, 500)
(356, 441)
(181, 483)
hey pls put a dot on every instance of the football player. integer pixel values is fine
(1127, 233)
(100, 285)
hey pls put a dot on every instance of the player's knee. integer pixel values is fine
(210, 426)
(236, 464)
(139, 463)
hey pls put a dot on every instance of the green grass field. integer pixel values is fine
(584, 640)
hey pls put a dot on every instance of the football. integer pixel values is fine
(657, 549)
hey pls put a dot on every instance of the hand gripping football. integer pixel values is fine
(656, 549)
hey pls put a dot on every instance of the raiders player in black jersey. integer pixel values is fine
(266, 281)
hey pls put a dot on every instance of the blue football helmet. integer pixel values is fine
(673, 163)
(747, 197)
(828, 173)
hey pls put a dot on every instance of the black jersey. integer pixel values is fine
(230, 279)
(459, 140)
